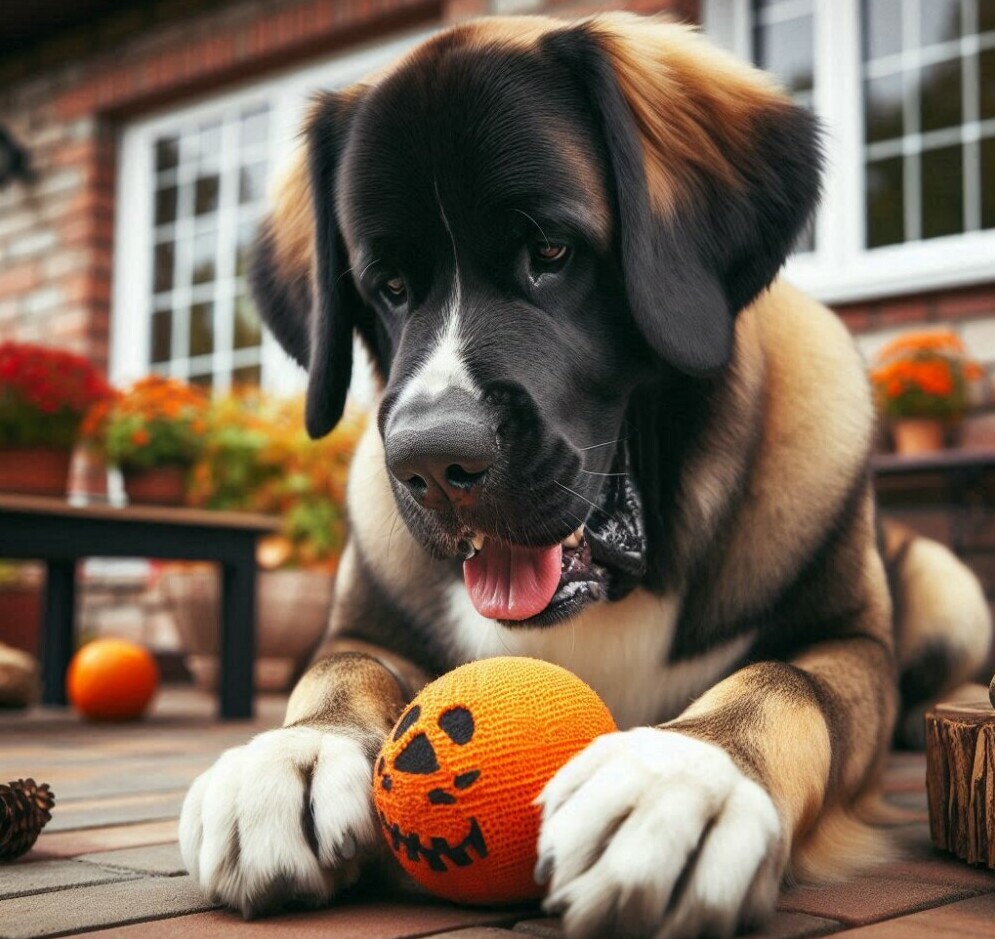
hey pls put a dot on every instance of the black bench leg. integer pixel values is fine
(238, 636)
(57, 638)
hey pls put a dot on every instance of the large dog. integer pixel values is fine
(608, 437)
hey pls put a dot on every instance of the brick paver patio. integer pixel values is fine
(108, 862)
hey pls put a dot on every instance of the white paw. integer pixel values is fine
(287, 818)
(652, 833)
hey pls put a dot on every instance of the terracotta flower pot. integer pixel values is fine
(34, 471)
(918, 435)
(292, 606)
(160, 485)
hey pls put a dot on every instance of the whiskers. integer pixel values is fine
(593, 505)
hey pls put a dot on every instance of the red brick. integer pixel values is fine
(967, 303)
(898, 313)
(857, 318)
(18, 280)
(968, 919)
(87, 288)
(868, 899)
(383, 920)
(88, 841)
(463, 9)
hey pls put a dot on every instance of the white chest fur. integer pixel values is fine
(620, 649)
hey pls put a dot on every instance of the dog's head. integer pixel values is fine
(526, 220)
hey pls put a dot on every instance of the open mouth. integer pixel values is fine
(602, 559)
(439, 850)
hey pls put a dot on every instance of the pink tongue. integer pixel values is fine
(512, 583)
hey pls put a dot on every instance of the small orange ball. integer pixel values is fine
(456, 781)
(111, 680)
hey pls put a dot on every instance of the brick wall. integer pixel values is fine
(66, 99)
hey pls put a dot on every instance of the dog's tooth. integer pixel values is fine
(573, 540)
(477, 541)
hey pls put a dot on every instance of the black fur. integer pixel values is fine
(688, 276)
(457, 163)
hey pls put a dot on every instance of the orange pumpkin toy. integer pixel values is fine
(456, 781)
(111, 680)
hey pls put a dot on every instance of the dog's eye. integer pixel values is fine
(550, 253)
(395, 289)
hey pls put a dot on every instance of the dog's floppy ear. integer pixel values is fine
(298, 262)
(715, 170)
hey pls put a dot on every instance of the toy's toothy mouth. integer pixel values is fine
(440, 850)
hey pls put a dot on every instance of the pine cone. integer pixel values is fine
(25, 809)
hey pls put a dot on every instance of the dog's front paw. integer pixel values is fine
(654, 833)
(286, 819)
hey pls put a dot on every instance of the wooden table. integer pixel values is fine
(61, 534)
(962, 477)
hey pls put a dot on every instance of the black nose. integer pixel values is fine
(441, 449)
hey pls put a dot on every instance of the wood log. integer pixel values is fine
(960, 779)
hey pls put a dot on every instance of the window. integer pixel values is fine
(906, 91)
(783, 44)
(208, 190)
(191, 191)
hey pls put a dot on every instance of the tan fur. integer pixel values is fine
(695, 106)
(942, 604)
(816, 400)
(292, 219)
(796, 749)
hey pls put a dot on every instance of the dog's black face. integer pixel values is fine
(527, 221)
(476, 215)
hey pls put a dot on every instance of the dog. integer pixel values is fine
(608, 436)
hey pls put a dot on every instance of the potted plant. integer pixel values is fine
(921, 385)
(258, 458)
(154, 432)
(44, 394)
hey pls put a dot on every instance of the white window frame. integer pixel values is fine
(841, 269)
(287, 95)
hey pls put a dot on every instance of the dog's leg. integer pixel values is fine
(288, 817)
(688, 829)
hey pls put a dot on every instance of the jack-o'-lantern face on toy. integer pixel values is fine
(456, 782)
(423, 780)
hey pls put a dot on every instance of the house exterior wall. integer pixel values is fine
(65, 101)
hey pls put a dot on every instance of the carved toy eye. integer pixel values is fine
(407, 721)
(457, 724)
(417, 757)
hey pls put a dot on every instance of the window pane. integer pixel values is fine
(988, 183)
(202, 381)
(786, 49)
(162, 336)
(986, 15)
(167, 153)
(882, 28)
(203, 257)
(165, 205)
(206, 194)
(883, 117)
(202, 329)
(940, 21)
(940, 95)
(255, 126)
(164, 257)
(885, 204)
(942, 192)
(246, 232)
(209, 145)
(247, 375)
(986, 63)
(252, 182)
(246, 324)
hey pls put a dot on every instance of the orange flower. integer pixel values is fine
(140, 437)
